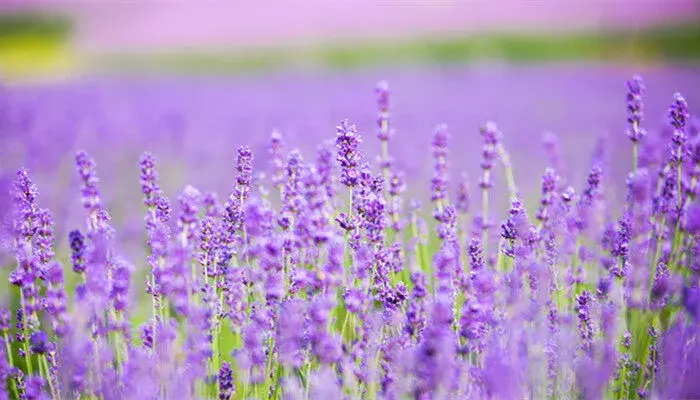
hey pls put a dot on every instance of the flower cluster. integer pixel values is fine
(308, 291)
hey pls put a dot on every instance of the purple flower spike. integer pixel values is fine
(476, 260)
(585, 321)
(5, 319)
(397, 186)
(660, 286)
(86, 170)
(463, 200)
(347, 142)
(277, 158)
(244, 167)
(77, 246)
(355, 300)
(439, 181)
(34, 389)
(25, 192)
(635, 107)
(290, 333)
(149, 180)
(188, 221)
(550, 180)
(44, 236)
(324, 167)
(383, 107)
(56, 298)
(121, 275)
(678, 113)
(38, 342)
(489, 152)
(226, 388)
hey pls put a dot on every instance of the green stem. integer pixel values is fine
(385, 155)
(10, 358)
(635, 161)
(25, 333)
(679, 176)
(308, 379)
(657, 253)
(508, 170)
(268, 369)
(346, 248)
(54, 393)
(499, 261)
(372, 390)
(574, 270)
(348, 314)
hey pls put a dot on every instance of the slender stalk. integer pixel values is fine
(508, 170)
(346, 249)
(574, 270)
(54, 392)
(268, 368)
(348, 315)
(657, 253)
(10, 359)
(679, 177)
(25, 333)
(385, 156)
(154, 326)
(372, 390)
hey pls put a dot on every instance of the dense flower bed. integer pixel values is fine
(321, 280)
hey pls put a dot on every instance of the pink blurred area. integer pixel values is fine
(107, 26)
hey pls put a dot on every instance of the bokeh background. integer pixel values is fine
(191, 80)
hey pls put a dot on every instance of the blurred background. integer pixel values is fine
(59, 38)
(191, 80)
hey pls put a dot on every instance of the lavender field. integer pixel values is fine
(483, 231)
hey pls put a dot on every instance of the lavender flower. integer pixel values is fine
(188, 221)
(44, 236)
(121, 275)
(439, 181)
(475, 257)
(34, 389)
(324, 168)
(383, 106)
(226, 388)
(678, 113)
(56, 299)
(397, 186)
(290, 334)
(235, 205)
(660, 286)
(355, 300)
(277, 158)
(25, 192)
(585, 321)
(77, 246)
(678, 118)
(90, 194)
(489, 152)
(463, 199)
(635, 107)
(39, 342)
(550, 179)
(149, 180)
(244, 166)
(5, 319)
(347, 143)
(588, 197)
